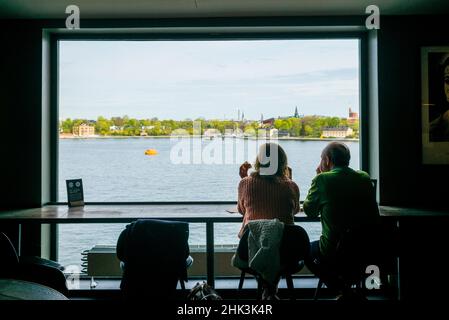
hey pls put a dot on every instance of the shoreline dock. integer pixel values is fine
(63, 137)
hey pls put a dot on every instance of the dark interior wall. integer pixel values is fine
(20, 112)
(404, 180)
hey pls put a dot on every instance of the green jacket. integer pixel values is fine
(343, 198)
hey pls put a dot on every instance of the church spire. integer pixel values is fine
(296, 112)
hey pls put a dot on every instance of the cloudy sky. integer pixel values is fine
(210, 79)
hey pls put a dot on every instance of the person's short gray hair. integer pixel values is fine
(338, 153)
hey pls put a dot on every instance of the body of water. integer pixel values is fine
(183, 170)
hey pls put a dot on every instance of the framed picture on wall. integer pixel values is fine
(435, 104)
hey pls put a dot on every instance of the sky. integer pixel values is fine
(210, 79)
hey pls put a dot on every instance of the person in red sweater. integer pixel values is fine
(268, 192)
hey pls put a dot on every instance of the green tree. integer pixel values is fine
(308, 130)
(295, 130)
(282, 124)
(117, 121)
(67, 125)
(333, 122)
(102, 126)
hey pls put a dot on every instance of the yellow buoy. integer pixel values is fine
(151, 152)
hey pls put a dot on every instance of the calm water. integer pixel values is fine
(118, 170)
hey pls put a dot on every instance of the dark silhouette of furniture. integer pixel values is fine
(294, 248)
(357, 249)
(155, 256)
(11, 289)
(33, 269)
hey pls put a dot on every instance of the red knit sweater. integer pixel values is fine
(267, 198)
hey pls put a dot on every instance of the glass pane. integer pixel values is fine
(74, 239)
(115, 128)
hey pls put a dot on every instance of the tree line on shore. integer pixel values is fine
(306, 126)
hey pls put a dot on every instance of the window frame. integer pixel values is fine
(200, 33)
(111, 36)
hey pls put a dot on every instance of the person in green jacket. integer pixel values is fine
(342, 197)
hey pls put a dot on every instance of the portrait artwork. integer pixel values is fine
(435, 105)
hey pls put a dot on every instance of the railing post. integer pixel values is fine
(210, 253)
(54, 240)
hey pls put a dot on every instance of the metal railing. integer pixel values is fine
(210, 243)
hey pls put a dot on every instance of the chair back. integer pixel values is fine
(154, 253)
(43, 273)
(294, 247)
(363, 246)
(31, 269)
(9, 260)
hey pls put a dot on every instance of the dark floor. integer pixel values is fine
(226, 287)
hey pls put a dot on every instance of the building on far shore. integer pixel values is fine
(283, 133)
(337, 132)
(116, 128)
(84, 130)
(267, 133)
(212, 133)
(267, 123)
(273, 133)
(353, 116)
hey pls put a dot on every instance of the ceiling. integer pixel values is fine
(55, 9)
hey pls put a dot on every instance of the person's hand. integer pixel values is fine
(321, 168)
(244, 169)
(289, 173)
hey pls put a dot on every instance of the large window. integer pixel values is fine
(122, 102)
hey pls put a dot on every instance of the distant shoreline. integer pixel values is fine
(63, 137)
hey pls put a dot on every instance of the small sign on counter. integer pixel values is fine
(75, 196)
